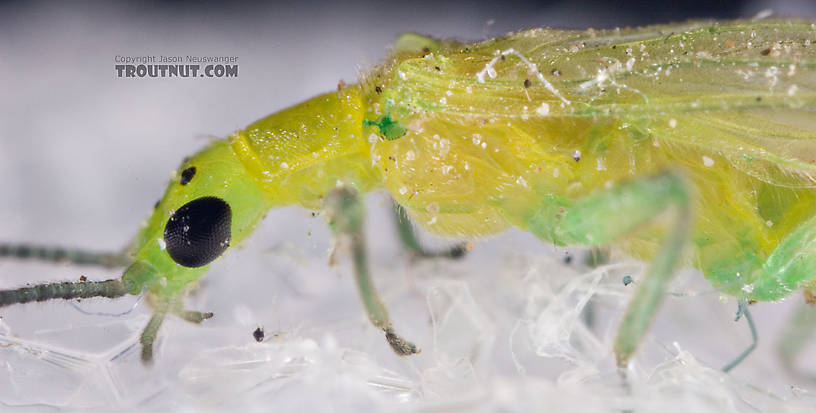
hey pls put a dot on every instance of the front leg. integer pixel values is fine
(151, 330)
(345, 213)
(162, 306)
(195, 317)
(610, 214)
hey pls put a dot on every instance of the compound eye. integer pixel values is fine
(199, 232)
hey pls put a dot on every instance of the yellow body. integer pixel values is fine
(480, 132)
(473, 138)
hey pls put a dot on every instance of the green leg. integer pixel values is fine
(596, 257)
(610, 214)
(195, 317)
(108, 289)
(346, 213)
(151, 330)
(163, 306)
(57, 254)
(411, 243)
(791, 263)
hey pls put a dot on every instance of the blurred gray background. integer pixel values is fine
(84, 154)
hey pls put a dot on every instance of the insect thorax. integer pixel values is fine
(299, 154)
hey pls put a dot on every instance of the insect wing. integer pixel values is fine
(774, 145)
(743, 90)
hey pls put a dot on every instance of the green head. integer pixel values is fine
(294, 156)
(210, 204)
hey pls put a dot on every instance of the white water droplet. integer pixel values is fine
(444, 147)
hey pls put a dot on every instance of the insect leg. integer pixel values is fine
(602, 217)
(195, 317)
(345, 213)
(58, 254)
(743, 310)
(410, 242)
(790, 264)
(597, 256)
(151, 329)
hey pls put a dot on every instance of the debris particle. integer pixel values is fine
(258, 334)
